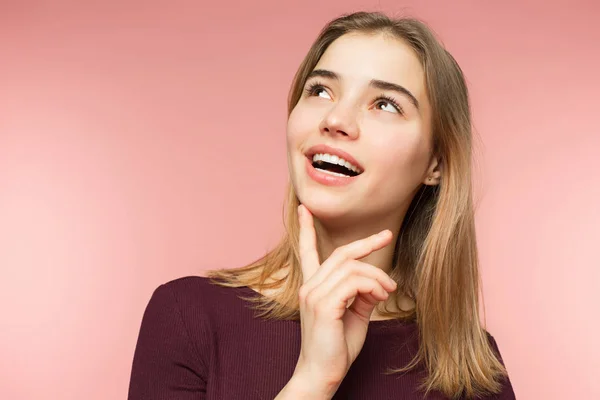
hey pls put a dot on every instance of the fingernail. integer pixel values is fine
(300, 210)
(384, 233)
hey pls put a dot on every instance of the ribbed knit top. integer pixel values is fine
(202, 341)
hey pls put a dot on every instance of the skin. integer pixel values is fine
(393, 146)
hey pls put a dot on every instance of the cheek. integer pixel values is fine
(291, 131)
(405, 154)
(296, 134)
(300, 124)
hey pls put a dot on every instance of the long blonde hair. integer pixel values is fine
(436, 260)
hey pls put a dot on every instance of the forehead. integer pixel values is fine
(358, 58)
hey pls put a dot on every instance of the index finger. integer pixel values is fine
(309, 257)
(359, 248)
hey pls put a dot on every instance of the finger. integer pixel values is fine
(362, 247)
(363, 305)
(354, 250)
(350, 287)
(349, 268)
(309, 257)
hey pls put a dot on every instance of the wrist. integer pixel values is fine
(319, 383)
(302, 387)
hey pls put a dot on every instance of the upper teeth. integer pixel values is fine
(333, 159)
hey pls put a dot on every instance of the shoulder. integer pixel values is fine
(174, 342)
(191, 305)
(198, 292)
(199, 301)
(494, 346)
(194, 286)
(507, 389)
(174, 299)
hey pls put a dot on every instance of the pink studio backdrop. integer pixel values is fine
(141, 142)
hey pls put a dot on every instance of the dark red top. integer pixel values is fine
(201, 341)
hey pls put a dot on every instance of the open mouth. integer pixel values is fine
(334, 165)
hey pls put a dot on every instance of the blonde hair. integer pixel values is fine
(435, 258)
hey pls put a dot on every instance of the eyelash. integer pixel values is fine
(313, 87)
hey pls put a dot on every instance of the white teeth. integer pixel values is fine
(333, 159)
(331, 172)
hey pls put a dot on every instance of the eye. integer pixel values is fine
(317, 89)
(389, 102)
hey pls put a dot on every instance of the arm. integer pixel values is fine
(165, 363)
(299, 389)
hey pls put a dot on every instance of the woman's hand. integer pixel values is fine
(333, 333)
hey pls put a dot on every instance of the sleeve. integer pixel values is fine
(165, 363)
(507, 392)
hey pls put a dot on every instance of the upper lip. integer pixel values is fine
(323, 148)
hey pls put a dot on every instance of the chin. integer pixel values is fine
(327, 206)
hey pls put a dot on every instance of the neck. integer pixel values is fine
(331, 236)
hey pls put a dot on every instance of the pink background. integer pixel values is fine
(141, 142)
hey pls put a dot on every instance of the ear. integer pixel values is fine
(434, 173)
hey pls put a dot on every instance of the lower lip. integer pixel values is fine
(327, 179)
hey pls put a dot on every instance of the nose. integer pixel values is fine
(340, 121)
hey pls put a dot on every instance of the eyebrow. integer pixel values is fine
(376, 83)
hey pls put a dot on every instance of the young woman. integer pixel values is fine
(373, 293)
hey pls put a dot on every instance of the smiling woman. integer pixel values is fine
(373, 291)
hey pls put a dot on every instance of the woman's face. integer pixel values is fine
(365, 102)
